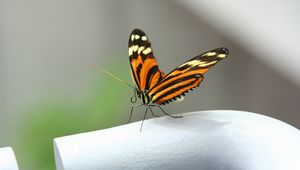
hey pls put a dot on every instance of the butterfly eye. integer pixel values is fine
(133, 99)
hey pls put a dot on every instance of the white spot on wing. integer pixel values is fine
(130, 51)
(140, 50)
(210, 54)
(204, 64)
(135, 47)
(191, 63)
(179, 99)
(147, 51)
(137, 37)
(221, 55)
(144, 38)
(199, 63)
(132, 37)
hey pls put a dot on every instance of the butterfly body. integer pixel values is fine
(156, 88)
(143, 95)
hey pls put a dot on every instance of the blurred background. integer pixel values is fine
(47, 89)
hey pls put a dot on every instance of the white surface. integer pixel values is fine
(7, 159)
(208, 140)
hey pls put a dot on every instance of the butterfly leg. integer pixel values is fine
(131, 112)
(167, 113)
(144, 119)
(149, 106)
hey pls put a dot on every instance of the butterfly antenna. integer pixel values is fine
(111, 75)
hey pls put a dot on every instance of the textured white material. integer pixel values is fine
(7, 159)
(208, 140)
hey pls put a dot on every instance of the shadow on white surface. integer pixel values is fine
(210, 140)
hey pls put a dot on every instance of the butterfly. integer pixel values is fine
(155, 88)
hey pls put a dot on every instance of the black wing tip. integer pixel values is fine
(222, 50)
(138, 32)
(139, 42)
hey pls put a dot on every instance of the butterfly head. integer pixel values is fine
(143, 95)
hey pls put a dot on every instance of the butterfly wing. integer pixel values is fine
(144, 66)
(185, 77)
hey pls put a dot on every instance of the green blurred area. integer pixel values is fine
(55, 117)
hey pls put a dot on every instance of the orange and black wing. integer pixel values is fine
(144, 67)
(185, 77)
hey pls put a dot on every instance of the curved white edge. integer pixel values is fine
(7, 159)
(209, 140)
(58, 160)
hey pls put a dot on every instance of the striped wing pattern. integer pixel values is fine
(185, 77)
(160, 88)
(144, 66)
